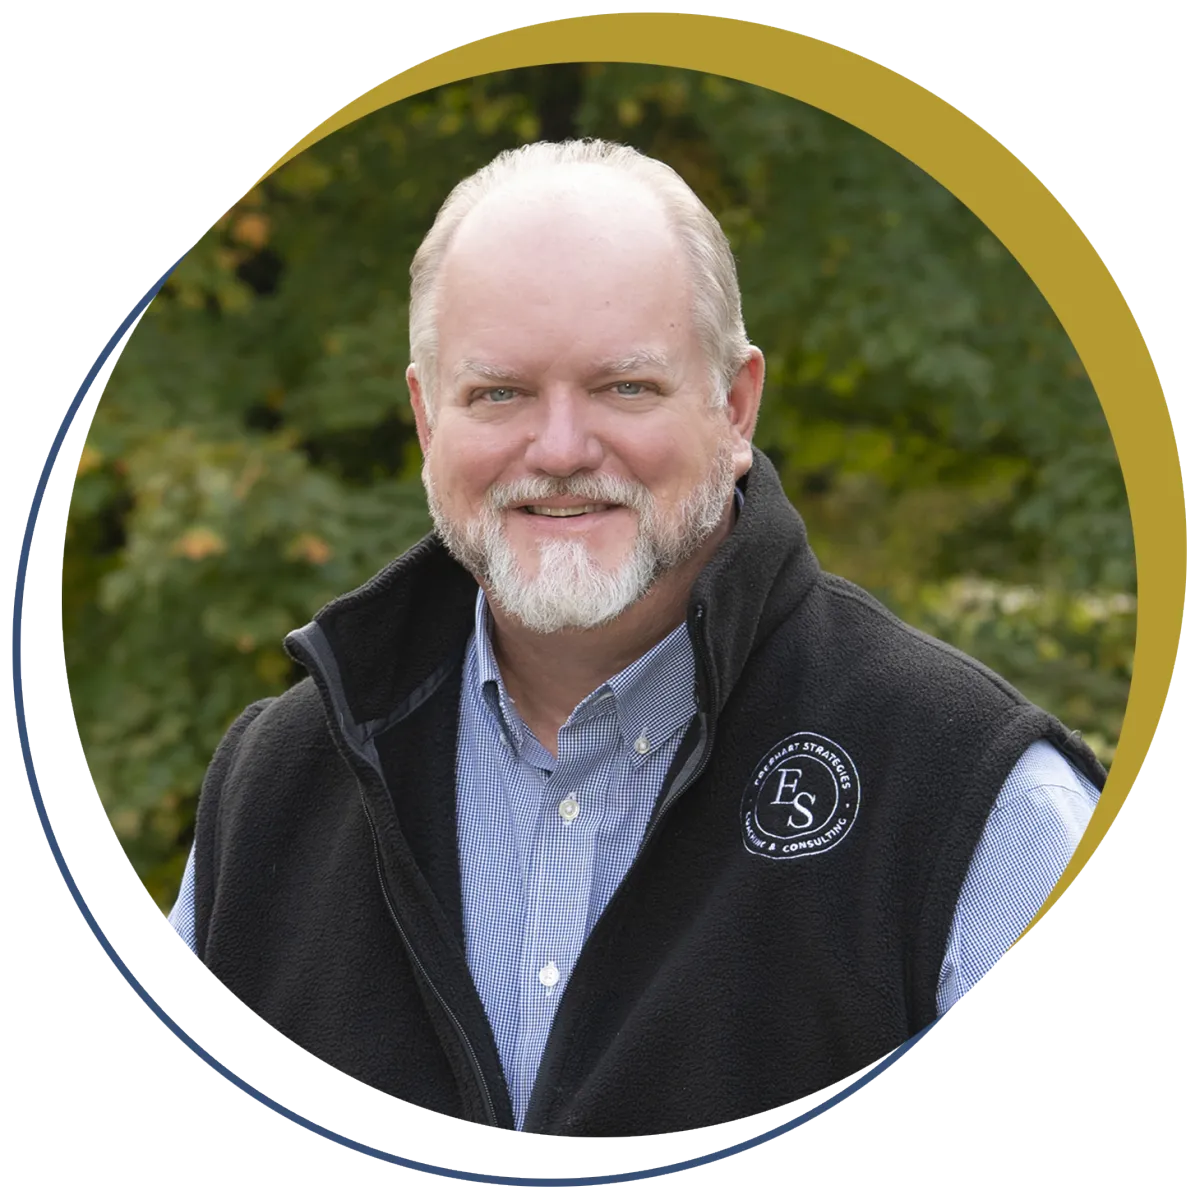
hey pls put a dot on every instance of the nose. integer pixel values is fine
(563, 439)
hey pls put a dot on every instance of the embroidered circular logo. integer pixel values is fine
(802, 798)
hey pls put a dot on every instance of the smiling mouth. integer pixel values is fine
(576, 510)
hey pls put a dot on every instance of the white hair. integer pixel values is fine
(716, 300)
(569, 589)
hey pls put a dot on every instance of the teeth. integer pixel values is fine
(542, 511)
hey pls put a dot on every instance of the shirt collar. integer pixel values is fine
(654, 695)
(491, 686)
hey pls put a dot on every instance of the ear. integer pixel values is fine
(417, 400)
(741, 406)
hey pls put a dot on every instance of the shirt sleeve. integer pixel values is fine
(183, 914)
(1030, 835)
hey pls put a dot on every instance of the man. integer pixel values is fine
(604, 810)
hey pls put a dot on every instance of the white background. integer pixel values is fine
(130, 129)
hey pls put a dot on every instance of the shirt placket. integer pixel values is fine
(562, 861)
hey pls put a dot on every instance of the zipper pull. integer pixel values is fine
(697, 631)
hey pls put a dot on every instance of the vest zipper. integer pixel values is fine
(476, 1066)
(318, 660)
(682, 783)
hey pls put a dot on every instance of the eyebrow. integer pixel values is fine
(639, 360)
(481, 370)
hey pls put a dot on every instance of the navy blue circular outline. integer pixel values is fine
(249, 1089)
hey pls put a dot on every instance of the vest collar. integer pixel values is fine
(757, 576)
(381, 649)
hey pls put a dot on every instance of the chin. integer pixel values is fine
(568, 588)
(604, 559)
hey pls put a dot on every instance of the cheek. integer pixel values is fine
(671, 466)
(465, 466)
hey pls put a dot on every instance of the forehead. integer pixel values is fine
(574, 268)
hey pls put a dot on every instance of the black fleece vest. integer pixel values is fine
(782, 925)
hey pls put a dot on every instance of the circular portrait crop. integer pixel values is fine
(481, 522)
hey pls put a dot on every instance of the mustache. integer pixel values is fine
(587, 485)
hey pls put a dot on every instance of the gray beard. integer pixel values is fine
(570, 589)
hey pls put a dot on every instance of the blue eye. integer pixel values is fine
(629, 388)
(499, 394)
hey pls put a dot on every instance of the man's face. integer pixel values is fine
(575, 457)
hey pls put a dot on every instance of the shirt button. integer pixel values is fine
(548, 975)
(642, 745)
(569, 808)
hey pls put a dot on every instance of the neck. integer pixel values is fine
(548, 674)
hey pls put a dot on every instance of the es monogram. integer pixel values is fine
(802, 798)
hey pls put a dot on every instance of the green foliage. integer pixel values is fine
(254, 454)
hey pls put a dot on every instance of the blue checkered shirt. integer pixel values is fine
(544, 841)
